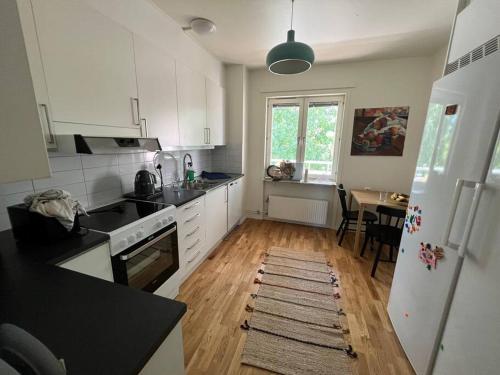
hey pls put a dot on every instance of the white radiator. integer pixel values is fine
(309, 211)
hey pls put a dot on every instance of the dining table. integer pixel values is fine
(366, 198)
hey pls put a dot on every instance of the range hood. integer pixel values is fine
(81, 144)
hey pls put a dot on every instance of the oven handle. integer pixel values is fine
(145, 246)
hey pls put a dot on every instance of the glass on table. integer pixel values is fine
(383, 196)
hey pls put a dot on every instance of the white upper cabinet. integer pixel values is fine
(215, 113)
(89, 67)
(22, 147)
(157, 92)
(36, 69)
(192, 106)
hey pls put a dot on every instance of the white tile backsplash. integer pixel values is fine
(17, 187)
(59, 179)
(101, 172)
(102, 184)
(131, 158)
(93, 161)
(95, 180)
(132, 168)
(65, 163)
(77, 189)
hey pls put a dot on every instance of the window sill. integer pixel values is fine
(316, 182)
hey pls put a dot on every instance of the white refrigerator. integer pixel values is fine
(445, 296)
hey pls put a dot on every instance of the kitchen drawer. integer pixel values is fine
(193, 256)
(192, 245)
(188, 237)
(189, 224)
(189, 209)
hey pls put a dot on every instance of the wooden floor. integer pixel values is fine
(217, 292)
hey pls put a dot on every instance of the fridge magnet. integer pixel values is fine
(430, 256)
(379, 131)
(413, 219)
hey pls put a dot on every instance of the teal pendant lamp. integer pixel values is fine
(290, 57)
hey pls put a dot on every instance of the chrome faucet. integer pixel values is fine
(184, 169)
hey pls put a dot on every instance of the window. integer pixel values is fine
(436, 142)
(305, 130)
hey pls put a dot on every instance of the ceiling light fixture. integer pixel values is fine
(201, 26)
(290, 57)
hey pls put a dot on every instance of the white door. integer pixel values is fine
(216, 214)
(234, 202)
(89, 65)
(460, 126)
(471, 339)
(157, 92)
(192, 106)
(215, 113)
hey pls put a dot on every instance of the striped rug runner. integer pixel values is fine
(295, 327)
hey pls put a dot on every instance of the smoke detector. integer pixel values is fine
(201, 26)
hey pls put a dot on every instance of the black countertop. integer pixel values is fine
(98, 327)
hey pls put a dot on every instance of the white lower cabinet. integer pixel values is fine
(169, 357)
(234, 202)
(191, 235)
(95, 262)
(216, 209)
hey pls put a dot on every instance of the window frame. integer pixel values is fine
(303, 102)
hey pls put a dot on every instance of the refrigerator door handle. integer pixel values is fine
(461, 183)
(478, 189)
(454, 204)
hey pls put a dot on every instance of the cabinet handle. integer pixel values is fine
(191, 218)
(193, 245)
(137, 120)
(194, 257)
(49, 125)
(192, 206)
(146, 130)
(193, 232)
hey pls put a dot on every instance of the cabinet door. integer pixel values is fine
(89, 65)
(192, 106)
(235, 203)
(215, 113)
(20, 122)
(36, 69)
(216, 214)
(95, 262)
(157, 92)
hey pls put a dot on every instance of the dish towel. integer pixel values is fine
(57, 204)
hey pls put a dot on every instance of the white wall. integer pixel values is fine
(144, 18)
(397, 82)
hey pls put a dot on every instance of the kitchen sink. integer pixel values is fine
(200, 185)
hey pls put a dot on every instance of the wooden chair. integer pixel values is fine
(386, 234)
(349, 217)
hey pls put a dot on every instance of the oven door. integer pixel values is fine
(149, 263)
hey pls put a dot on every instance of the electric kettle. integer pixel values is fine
(144, 184)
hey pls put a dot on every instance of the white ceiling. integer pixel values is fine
(338, 30)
